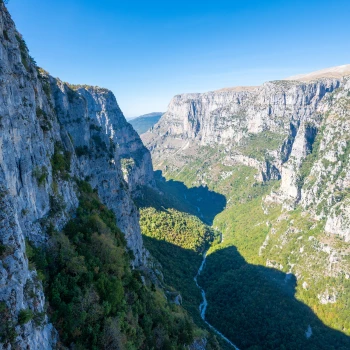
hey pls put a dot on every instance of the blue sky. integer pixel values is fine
(148, 51)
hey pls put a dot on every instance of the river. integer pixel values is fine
(204, 304)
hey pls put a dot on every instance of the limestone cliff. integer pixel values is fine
(280, 154)
(51, 135)
(271, 128)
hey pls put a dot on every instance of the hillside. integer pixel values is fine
(279, 154)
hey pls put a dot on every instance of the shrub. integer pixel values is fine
(25, 316)
(60, 162)
(95, 298)
(82, 151)
(6, 36)
(72, 95)
(45, 124)
(2, 250)
(84, 187)
(3, 307)
(309, 160)
(47, 89)
(95, 127)
(99, 143)
(40, 174)
(39, 318)
(56, 205)
(24, 51)
(7, 330)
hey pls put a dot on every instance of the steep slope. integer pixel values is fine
(279, 155)
(70, 166)
(144, 122)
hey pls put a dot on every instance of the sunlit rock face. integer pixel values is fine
(284, 121)
(39, 117)
(108, 151)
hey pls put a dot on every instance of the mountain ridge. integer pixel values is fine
(147, 115)
(144, 122)
(332, 72)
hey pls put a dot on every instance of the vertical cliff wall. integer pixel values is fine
(271, 127)
(51, 135)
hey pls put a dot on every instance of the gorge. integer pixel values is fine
(225, 225)
(279, 155)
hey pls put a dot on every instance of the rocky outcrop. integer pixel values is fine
(108, 151)
(51, 136)
(326, 186)
(278, 116)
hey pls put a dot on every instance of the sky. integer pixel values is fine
(148, 51)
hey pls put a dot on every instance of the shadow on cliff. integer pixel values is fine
(254, 306)
(198, 201)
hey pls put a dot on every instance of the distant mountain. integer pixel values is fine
(144, 122)
(333, 72)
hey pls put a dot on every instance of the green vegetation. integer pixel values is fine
(45, 123)
(6, 36)
(180, 229)
(2, 250)
(127, 164)
(100, 145)
(257, 145)
(259, 307)
(25, 316)
(95, 127)
(255, 306)
(82, 151)
(178, 241)
(309, 160)
(60, 162)
(41, 175)
(43, 75)
(96, 299)
(47, 89)
(7, 328)
(56, 205)
(344, 157)
(25, 57)
(72, 95)
(24, 51)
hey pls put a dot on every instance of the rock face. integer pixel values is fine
(44, 122)
(107, 149)
(272, 128)
(282, 114)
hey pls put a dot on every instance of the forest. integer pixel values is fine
(95, 299)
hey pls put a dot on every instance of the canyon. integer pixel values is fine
(226, 224)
